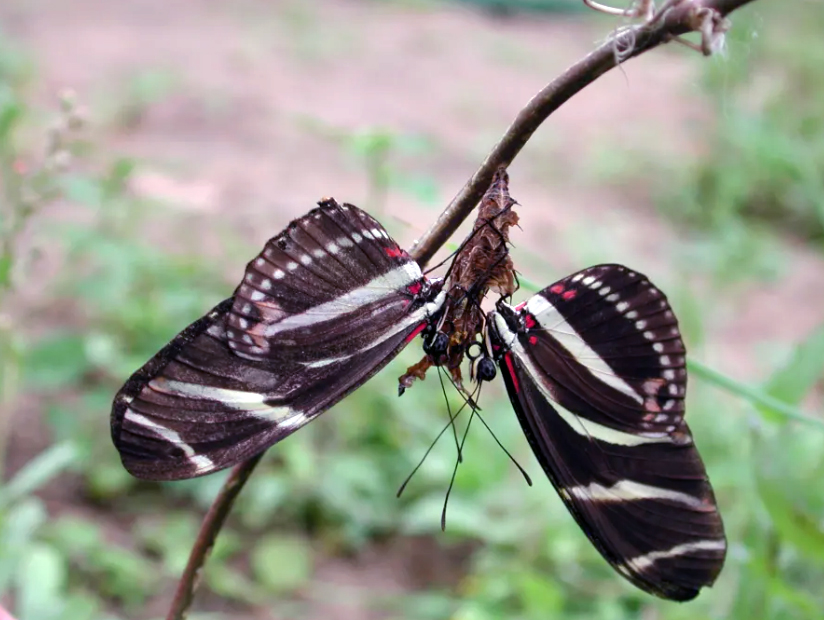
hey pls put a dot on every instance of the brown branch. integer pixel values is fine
(209, 529)
(679, 19)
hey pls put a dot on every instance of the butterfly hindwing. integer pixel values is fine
(289, 344)
(594, 366)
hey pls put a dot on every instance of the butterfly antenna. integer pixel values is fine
(443, 262)
(455, 469)
(477, 411)
(501, 446)
(449, 413)
(451, 423)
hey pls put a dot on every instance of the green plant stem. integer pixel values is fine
(754, 395)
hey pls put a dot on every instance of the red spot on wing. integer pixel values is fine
(557, 289)
(414, 288)
(529, 321)
(511, 368)
(394, 252)
(520, 305)
(569, 295)
(533, 340)
(415, 332)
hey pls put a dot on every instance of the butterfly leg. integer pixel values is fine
(713, 28)
(416, 371)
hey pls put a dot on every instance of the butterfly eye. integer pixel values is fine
(436, 345)
(485, 370)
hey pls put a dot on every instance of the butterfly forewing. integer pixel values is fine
(326, 305)
(594, 366)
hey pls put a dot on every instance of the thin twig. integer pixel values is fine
(676, 21)
(209, 529)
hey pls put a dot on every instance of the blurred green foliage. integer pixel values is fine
(764, 162)
(329, 491)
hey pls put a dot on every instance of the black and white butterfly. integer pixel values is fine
(595, 369)
(326, 304)
(594, 366)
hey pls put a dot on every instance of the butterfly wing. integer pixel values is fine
(595, 368)
(324, 306)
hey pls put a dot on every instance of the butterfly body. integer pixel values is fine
(482, 264)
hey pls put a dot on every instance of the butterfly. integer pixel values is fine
(326, 304)
(594, 366)
(595, 369)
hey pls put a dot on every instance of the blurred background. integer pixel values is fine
(198, 129)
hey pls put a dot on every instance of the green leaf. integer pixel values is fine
(791, 521)
(171, 538)
(804, 370)
(230, 583)
(40, 582)
(17, 528)
(38, 471)
(10, 113)
(282, 563)
(83, 191)
(57, 361)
